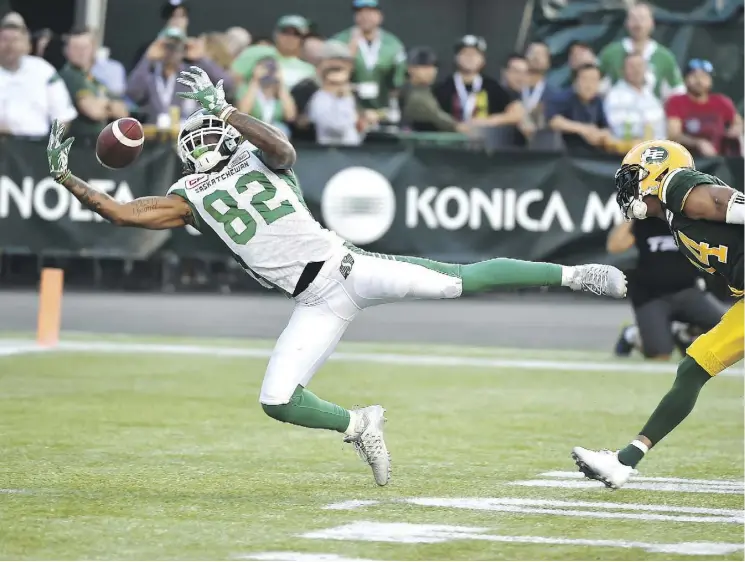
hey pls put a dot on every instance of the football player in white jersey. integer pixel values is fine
(251, 200)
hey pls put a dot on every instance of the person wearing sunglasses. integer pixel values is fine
(706, 123)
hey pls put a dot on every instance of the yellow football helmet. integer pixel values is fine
(642, 171)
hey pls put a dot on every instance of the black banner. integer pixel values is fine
(442, 204)
(39, 216)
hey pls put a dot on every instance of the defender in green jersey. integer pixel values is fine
(658, 179)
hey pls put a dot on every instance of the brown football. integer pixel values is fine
(120, 143)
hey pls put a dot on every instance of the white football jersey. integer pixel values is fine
(260, 215)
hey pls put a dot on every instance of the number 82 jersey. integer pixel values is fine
(260, 215)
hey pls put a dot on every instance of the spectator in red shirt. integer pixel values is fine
(706, 123)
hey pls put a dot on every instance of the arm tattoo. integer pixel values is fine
(277, 150)
(144, 205)
(92, 199)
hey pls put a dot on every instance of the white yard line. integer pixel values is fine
(585, 504)
(484, 503)
(555, 508)
(722, 483)
(297, 557)
(409, 533)
(375, 358)
(351, 504)
(634, 485)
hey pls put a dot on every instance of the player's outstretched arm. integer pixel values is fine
(715, 203)
(155, 213)
(276, 150)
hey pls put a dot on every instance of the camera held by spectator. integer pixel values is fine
(152, 84)
(267, 97)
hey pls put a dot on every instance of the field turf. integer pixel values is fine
(164, 453)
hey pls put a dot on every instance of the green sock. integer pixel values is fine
(308, 410)
(503, 272)
(672, 409)
(630, 455)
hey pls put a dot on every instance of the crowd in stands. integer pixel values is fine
(361, 81)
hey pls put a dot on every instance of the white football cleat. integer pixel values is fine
(369, 443)
(603, 466)
(601, 280)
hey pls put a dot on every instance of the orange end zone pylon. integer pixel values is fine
(50, 307)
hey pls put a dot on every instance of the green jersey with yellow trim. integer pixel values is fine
(260, 215)
(714, 247)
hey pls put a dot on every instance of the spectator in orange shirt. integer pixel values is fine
(706, 123)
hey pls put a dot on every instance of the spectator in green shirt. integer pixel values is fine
(95, 104)
(380, 59)
(663, 74)
(288, 38)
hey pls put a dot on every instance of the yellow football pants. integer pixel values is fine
(723, 345)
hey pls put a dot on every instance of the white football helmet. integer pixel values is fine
(205, 141)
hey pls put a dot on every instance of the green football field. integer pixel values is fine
(125, 448)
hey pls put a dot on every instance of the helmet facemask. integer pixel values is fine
(629, 196)
(205, 141)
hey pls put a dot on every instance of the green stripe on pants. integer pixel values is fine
(486, 275)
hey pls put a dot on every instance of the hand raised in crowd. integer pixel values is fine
(156, 51)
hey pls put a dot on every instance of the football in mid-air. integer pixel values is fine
(120, 143)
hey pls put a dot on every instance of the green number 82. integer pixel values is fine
(227, 211)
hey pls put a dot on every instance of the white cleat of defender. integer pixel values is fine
(603, 466)
(369, 443)
(601, 280)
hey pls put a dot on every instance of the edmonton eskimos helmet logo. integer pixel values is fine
(654, 155)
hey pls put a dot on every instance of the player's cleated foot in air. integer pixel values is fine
(603, 466)
(602, 280)
(369, 443)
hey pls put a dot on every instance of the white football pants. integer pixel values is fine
(347, 283)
